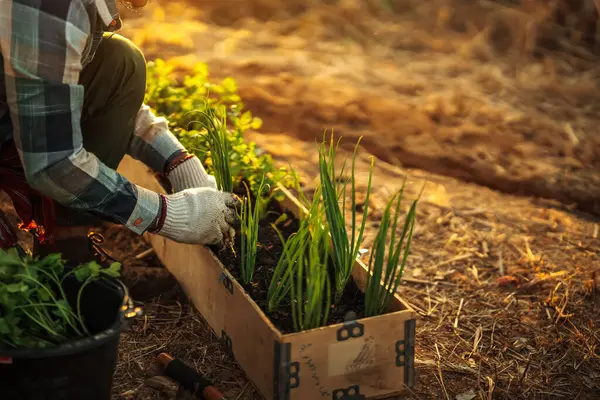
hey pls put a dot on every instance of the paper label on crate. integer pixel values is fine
(352, 356)
(6, 360)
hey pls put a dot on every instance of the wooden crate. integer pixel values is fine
(371, 357)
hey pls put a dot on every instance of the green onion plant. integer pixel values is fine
(310, 288)
(345, 244)
(279, 287)
(250, 216)
(295, 183)
(293, 248)
(384, 277)
(218, 144)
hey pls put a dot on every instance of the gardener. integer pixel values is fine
(71, 107)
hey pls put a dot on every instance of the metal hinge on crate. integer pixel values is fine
(227, 282)
(405, 352)
(349, 393)
(227, 343)
(287, 373)
(351, 329)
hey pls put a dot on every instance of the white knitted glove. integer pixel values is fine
(190, 174)
(200, 216)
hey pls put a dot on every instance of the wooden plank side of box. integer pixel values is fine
(366, 357)
(220, 299)
(233, 316)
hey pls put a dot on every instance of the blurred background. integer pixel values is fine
(500, 93)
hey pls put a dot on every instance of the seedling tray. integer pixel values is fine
(364, 358)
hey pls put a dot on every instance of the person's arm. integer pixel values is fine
(45, 99)
(42, 50)
(155, 145)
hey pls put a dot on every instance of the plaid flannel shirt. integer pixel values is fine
(44, 45)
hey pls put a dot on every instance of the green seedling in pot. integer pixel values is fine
(34, 311)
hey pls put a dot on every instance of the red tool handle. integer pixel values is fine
(188, 378)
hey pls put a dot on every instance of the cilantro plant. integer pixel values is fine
(181, 100)
(34, 311)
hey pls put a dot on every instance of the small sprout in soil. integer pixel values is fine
(382, 283)
(282, 219)
(345, 245)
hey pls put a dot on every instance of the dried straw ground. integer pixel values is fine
(448, 94)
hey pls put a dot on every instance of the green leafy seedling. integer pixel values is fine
(35, 312)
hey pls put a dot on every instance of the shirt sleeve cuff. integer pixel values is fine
(153, 142)
(145, 212)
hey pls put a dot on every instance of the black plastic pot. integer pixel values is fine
(80, 370)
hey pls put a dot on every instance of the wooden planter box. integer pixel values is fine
(371, 357)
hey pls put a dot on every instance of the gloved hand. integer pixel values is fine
(190, 174)
(199, 216)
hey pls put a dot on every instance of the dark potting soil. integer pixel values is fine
(268, 253)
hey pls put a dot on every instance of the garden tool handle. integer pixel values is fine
(188, 378)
